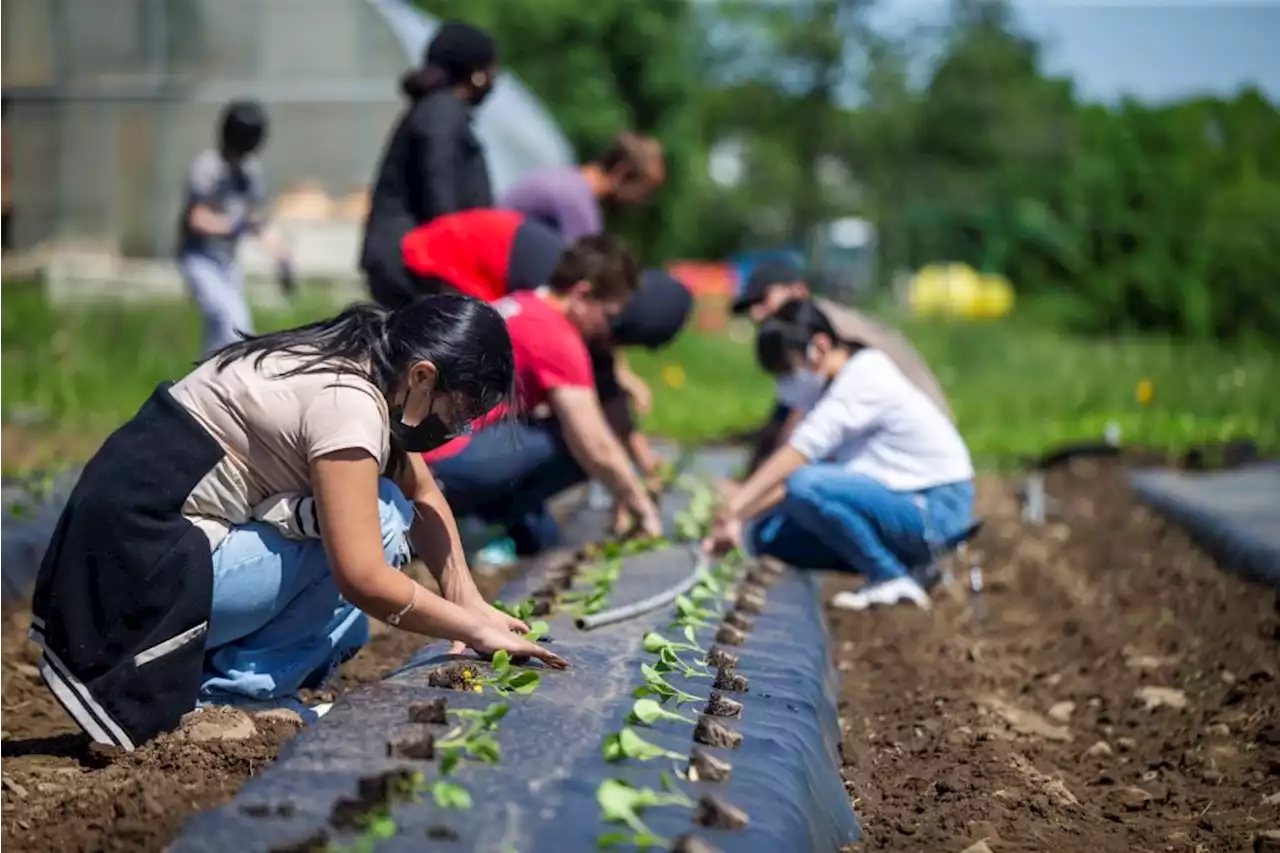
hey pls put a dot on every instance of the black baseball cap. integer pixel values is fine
(764, 276)
(535, 253)
(655, 313)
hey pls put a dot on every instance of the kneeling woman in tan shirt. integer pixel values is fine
(225, 545)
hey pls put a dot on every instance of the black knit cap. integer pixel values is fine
(460, 49)
(655, 313)
(535, 252)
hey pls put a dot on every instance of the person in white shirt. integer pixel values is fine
(871, 480)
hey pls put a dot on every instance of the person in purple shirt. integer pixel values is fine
(569, 198)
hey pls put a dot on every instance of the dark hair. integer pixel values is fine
(789, 331)
(603, 261)
(638, 156)
(243, 127)
(465, 339)
(457, 51)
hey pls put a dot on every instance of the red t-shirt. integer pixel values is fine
(469, 249)
(549, 353)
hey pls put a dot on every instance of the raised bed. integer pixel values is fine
(1234, 514)
(544, 790)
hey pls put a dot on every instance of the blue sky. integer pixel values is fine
(1151, 50)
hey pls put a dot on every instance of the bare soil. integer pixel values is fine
(1110, 689)
(63, 794)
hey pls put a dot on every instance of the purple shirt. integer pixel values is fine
(560, 198)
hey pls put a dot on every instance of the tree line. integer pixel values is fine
(953, 140)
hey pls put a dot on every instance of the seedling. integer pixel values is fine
(521, 610)
(508, 679)
(474, 738)
(450, 795)
(654, 642)
(694, 523)
(691, 614)
(649, 711)
(619, 746)
(601, 581)
(669, 661)
(623, 803)
(655, 684)
(537, 630)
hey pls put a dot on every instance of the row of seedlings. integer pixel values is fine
(623, 804)
(362, 820)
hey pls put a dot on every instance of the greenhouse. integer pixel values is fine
(108, 101)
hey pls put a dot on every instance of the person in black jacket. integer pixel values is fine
(229, 542)
(433, 163)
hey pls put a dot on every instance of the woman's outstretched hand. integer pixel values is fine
(489, 639)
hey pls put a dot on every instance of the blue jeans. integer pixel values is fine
(506, 475)
(278, 623)
(831, 519)
(218, 288)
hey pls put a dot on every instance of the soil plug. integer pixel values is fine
(541, 607)
(382, 789)
(730, 636)
(714, 813)
(440, 832)
(751, 599)
(728, 679)
(720, 705)
(737, 620)
(715, 733)
(719, 657)
(431, 712)
(705, 767)
(692, 844)
(455, 677)
(316, 843)
(413, 747)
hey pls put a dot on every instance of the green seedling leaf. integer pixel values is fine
(484, 748)
(381, 827)
(449, 761)
(661, 687)
(501, 660)
(524, 682)
(649, 711)
(612, 840)
(537, 630)
(521, 610)
(450, 795)
(628, 744)
(691, 635)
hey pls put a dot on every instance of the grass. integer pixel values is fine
(71, 375)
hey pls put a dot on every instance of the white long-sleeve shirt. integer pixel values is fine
(875, 422)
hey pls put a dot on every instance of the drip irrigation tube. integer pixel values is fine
(645, 605)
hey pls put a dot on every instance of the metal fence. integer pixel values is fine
(108, 101)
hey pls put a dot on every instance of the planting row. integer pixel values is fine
(707, 723)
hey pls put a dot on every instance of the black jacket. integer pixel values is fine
(433, 165)
(123, 597)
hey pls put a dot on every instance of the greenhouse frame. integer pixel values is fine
(108, 101)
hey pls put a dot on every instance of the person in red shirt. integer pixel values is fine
(510, 467)
(483, 252)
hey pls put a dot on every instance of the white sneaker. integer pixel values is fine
(885, 593)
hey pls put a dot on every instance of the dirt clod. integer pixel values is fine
(1130, 799)
(714, 733)
(1267, 841)
(1153, 698)
(1060, 712)
(431, 712)
(216, 724)
(720, 657)
(454, 676)
(415, 747)
(719, 705)
(692, 844)
(713, 812)
(751, 600)
(730, 636)
(316, 843)
(728, 679)
(1101, 749)
(705, 767)
(440, 832)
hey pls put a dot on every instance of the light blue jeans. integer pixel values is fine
(831, 519)
(278, 623)
(218, 288)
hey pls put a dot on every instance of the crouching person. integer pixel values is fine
(225, 545)
(505, 472)
(871, 480)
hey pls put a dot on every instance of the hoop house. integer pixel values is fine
(108, 101)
